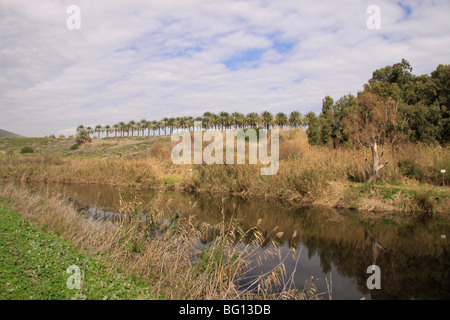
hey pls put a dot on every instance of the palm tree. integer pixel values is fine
(224, 119)
(148, 126)
(82, 136)
(131, 126)
(190, 122)
(154, 126)
(281, 119)
(216, 121)
(116, 127)
(266, 118)
(122, 127)
(138, 127)
(143, 125)
(107, 130)
(89, 131)
(296, 119)
(238, 119)
(98, 128)
(197, 119)
(208, 119)
(171, 124)
(252, 119)
(160, 126)
(164, 122)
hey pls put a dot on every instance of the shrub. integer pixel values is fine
(26, 149)
(82, 137)
(409, 169)
(159, 150)
(74, 146)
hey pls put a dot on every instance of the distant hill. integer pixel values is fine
(4, 133)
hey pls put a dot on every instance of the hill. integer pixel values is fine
(4, 133)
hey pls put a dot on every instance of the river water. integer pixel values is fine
(333, 249)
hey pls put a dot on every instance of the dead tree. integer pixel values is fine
(376, 166)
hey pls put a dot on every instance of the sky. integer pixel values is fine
(150, 59)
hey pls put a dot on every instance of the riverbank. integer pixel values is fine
(409, 185)
(162, 251)
(38, 264)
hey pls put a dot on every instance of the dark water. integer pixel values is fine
(333, 248)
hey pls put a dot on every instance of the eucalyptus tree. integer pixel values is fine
(313, 130)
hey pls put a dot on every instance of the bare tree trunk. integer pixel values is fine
(376, 166)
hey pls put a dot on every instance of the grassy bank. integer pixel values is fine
(163, 251)
(34, 265)
(308, 174)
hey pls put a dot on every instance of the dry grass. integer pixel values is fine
(313, 174)
(163, 249)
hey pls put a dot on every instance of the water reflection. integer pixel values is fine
(414, 258)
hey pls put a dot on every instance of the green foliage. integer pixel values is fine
(26, 149)
(82, 136)
(33, 265)
(74, 146)
(409, 169)
(395, 106)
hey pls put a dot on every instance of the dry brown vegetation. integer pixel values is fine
(163, 249)
(308, 174)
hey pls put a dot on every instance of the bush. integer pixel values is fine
(74, 146)
(410, 170)
(82, 137)
(26, 149)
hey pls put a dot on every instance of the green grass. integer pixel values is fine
(33, 266)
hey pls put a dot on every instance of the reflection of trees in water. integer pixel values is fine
(414, 261)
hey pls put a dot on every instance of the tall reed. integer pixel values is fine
(155, 243)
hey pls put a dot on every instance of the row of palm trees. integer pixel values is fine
(220, 121)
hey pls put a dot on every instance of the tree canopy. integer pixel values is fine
(395, 106)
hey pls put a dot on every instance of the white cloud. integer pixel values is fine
(139, 59)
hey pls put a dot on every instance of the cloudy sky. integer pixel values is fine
(134, 59)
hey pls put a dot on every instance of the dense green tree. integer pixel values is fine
(313, 130)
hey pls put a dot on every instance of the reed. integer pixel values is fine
(313, 174)
(163, 249)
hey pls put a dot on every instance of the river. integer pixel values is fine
(333, 248)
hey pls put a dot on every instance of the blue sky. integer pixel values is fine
(139, 59)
